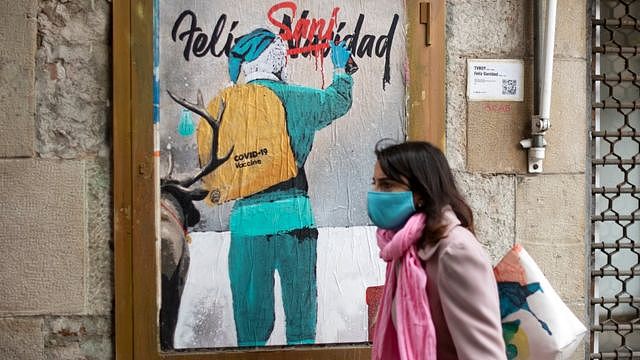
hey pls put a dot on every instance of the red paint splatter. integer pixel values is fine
(499, 108)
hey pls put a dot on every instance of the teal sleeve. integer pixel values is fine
(316, 108)
(334, 101)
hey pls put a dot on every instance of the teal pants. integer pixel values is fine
(252, 264)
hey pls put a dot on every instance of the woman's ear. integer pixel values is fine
(418, 203)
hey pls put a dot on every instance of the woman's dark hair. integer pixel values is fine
(428, 174)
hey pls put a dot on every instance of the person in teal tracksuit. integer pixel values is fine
(275, 229)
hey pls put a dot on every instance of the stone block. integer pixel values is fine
(551, 209)
(17, 77)
(492, 199)
(563, 265)
(487, 28)
(42, 237)
(78, 337)
(21, 339)
(571, 29)
(495, 129)
(566, 139)
(99, 223)
(71, 351)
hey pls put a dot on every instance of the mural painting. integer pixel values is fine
(266, 117)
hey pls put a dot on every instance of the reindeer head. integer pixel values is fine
(185, 198)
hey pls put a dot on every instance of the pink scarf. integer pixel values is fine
(413, 337)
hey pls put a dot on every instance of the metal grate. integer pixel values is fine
(615, 164)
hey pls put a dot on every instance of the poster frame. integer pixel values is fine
(134, 181)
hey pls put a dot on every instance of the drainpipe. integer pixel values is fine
(543, 71)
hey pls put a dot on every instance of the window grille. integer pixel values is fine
(614, 299)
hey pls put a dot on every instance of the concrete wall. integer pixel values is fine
(55, 85)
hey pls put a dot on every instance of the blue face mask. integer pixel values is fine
(390, 210)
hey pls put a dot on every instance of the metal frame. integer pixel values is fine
(614, 205)
(136, 330)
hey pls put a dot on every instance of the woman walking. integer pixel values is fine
(440, 299)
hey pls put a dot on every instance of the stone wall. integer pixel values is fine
(55, 169)
(546, 213)
(55, 174)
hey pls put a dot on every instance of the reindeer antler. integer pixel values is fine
(214, 122)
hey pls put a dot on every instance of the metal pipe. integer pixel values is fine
(538, 28)
(543, 71)
(549, 40)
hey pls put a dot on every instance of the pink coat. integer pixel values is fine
(463, 296)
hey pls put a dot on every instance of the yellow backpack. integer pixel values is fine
(254, 123)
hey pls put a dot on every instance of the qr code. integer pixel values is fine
(509, 87)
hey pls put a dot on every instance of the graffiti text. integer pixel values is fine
(305, 35)
(198, 42)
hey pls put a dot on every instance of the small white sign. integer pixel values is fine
(495, 79)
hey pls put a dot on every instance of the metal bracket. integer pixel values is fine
(539, 124)
(536, 145)
(425, 13)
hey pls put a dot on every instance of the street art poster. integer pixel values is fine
(266, 115)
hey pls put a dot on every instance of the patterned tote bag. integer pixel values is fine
(536, 323)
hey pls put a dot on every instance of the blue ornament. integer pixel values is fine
(186, 127)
